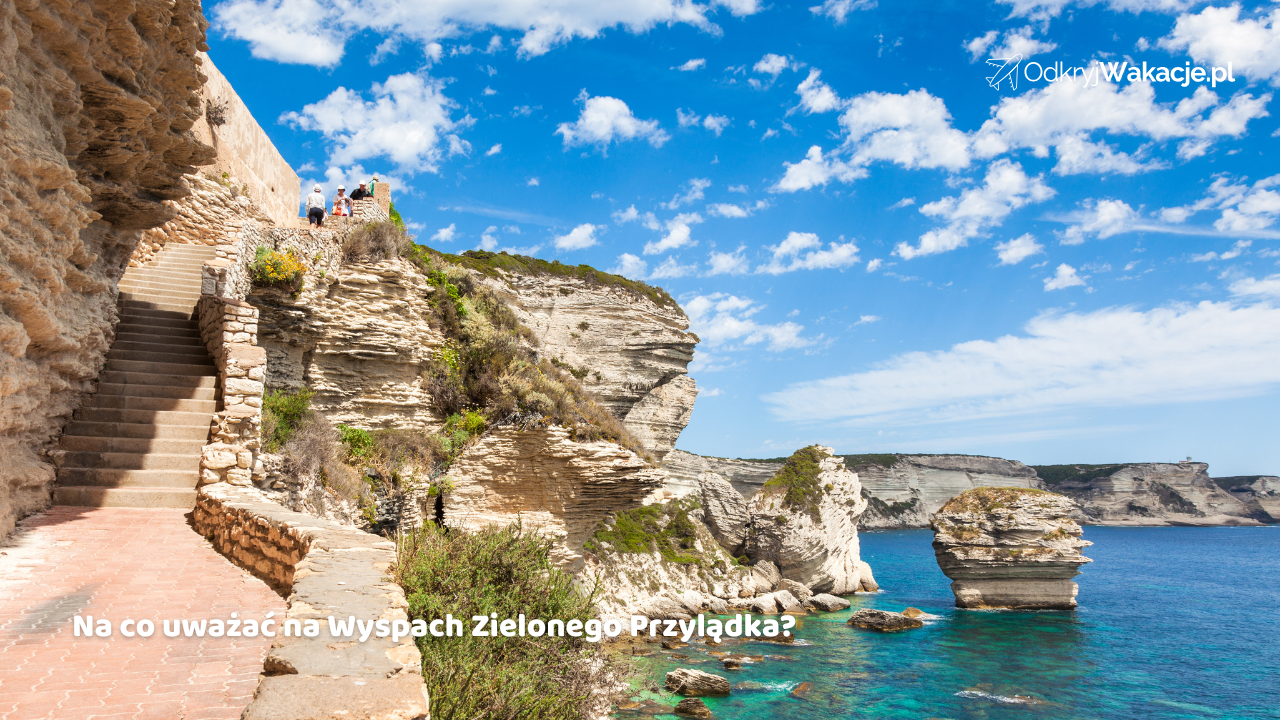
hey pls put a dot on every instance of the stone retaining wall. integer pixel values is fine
(323, 569)
(229, 328)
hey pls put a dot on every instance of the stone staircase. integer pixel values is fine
(136, 441)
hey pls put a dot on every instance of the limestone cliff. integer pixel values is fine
(1010, 548)
(905, 490)
(630, 347)
(746, 476)
(1259, 493)
(1149, 494)
(97, 103)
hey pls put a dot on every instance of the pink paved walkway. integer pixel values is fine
(122, 563)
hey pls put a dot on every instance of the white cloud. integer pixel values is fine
(771, 64)
(1218, 36)
(489, 91)
(489, 241)
(816, 170)
(697, 186)
(1018, 249)
(314, 32)
(911, 130)
(904, 202)
(446, 234)
(691, 65)
(606, 119)
(713, 392)
(714, 123)
(1266, 287)
(977, 47)
(1101, 219)
(671, 268)
(1116, 357)
(407, 120)
(817, 96)
(721, 319)
(729, 210)
(494, 150)
(1043, 10)
(579, 238)
(867, 319)
(1236, 251)
(1005, 188)
(738, 188)
(678, 234)
(630, 266)
(838, 10)
(803, 251)
(625, 216)
(495, 44)
(874, 265)
(1065, 277)
(1020, 42)
(734, 263)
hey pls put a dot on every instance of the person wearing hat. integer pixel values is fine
(315, 207)
(361, 193)
(341, 203)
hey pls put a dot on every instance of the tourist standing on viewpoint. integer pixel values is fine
(315, 207)
(341, 203)
(360, 193)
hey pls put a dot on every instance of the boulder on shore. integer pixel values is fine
(694, 708)
(883, 620)
(827, 603)
(695, 683)
(1012, 548)
(724, 511)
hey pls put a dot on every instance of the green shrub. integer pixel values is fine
(886, 460)
(508, 572)
(374, 242)
(797, 481)
(664, 528)
(282, 413)
(277, 269)
(394, 214)
(359, 443)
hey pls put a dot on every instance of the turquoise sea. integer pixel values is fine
(1173, 623)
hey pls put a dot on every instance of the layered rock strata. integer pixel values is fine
(911, 488)
(1153, 494)
(746, 476)
(629, 350)
(97, 103)
(1010, 548)
(1260, 495)
(882, 620)
(815, 543)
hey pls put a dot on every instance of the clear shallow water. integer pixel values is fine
(1173, 623)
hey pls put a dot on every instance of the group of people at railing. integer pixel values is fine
(318, 207)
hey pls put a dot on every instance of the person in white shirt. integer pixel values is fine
(341, 203)
(315, 207)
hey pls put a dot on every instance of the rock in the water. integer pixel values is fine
(801, 592)
(802, 691)
(695, 683)
(731, 664)
(827, 603)
(868, 582)
(913, 612)
(693, 707)
(805, 520)
(1010, 548)
(725, 511)
(673, 644)
(883, 620)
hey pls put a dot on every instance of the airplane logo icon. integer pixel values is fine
(1008, 69)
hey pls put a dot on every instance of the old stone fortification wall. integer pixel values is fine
(322, 569)
(93, 142)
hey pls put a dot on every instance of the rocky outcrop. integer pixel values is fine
(696, 683)
(97, 102)
(545, 480)
(823, 602)
(906, 490)
(746, 476)
(724, 511)
(1260, 495)
(631, 349)
(1010, 548)
(805, 521)
(1149, 494)
(882, 620)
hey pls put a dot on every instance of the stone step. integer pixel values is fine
(105, 477)
(89, 443)
(140, 431)
(159, 368)
(158, 391)
(159, 274)
(134, 402)
(125, 497)
(142, 325)
(159, 357)
(145, 287)
(184, 308)
(69, 461)
(145, 417)
(152, 379)
(158, 314)
(182, 264)
(186, 346)
(170, 337)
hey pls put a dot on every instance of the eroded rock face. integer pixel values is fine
(724, 511)
(746, 476)
(631, 352)
(818, 549)
(882, 620)
(547, 481)
(1260, 495)
(1155, 494)
(914, 487)
(696, 683)
(1010, 548)
(97, 101)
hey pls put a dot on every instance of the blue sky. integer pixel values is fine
(880, 250)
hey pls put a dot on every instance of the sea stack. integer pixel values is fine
(1014, 548)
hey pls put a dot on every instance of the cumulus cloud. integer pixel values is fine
(734, 263)
(977, 47)
(729, 210)
(1043, 10)
(724, 320)
(1236, 251)
(1267, 287)
(1100, 219)
(1018, 249)
(1005, 188)
(695, 192)
(671, 268)
(817, 96)
(579, 238)
(816, 170)
(771, 64)
(912, 130)
(679, 234)
(838, 10)
(803, 251)
(446, 234)
(1065, 277)
(1217, 36)
(407, 120)
(488, 240)
(647, 219)
(314, 32)
(714, 123)
(497, 148)
(691, 65)
(630, 266)
(875, 265)
(607, 119)
(1116, 357)
(533, 182)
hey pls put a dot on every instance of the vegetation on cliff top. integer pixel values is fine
(1055, 474)
(508, 572)
(666, 529)
(797, 481)
(986, 499)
